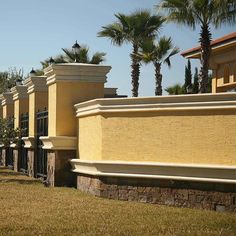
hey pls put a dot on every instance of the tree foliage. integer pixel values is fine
(158, 53)
(8, 79)
(188, 76)
(68, 56)
(175, 89)
(205, 13)
(195, 81)
(8, 134)
(134, 28)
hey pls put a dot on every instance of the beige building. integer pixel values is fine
(222, 62)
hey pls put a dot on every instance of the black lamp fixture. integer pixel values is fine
(75, 49)
(18, 81)
(51, 61)
(32, 72)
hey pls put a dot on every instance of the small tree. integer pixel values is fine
(8, 134)
(176, 89)
(195, 81)
(9, 78)
(188, 76)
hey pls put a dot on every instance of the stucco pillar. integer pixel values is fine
(1, 107)
(68, 84)
(21, 106)
(7, 112)
(7, 105)
(38, 101)
(1, 145)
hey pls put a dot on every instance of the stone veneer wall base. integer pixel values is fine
(202, 195)
(30, 162)
(3, 157)
(15, 160)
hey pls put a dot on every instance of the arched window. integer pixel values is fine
(226, 74)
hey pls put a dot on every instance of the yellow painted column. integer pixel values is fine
(7, 105)
(1, 108)
(21, 103)
(38, 99)
(68, 84)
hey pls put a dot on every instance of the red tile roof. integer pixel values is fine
(224, 39)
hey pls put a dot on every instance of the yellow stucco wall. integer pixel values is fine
(62, 97)
(8, 110)
(38, 101)
(20, 106)
(90, 138)
(203, 137)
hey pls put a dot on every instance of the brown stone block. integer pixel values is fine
(142, 198)
(15, 160)
(199, 198)
(113, 194)
(123, 194)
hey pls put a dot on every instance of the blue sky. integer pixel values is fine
(33, 30)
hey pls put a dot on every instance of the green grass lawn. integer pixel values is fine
(29, 208)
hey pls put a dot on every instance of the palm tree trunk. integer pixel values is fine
(135, 71)
(158, 77)
(205, 40)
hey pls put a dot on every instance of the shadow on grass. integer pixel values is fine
(20, 181)
(9, 176)
(6, 173)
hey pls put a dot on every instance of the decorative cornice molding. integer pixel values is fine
(76, 72)
(59, 143)
(7, 98)
(19, 92)
(155, 170)
(151, 104)
(36, 84)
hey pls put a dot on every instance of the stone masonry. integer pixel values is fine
(209, 196)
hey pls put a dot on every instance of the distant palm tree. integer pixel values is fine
(158, 53)
(83, 56)
(134, 29)
(204, 13)
(175, 89)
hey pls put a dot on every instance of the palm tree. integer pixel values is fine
(205, 13)
(175, 89)
(158, 53)
(134, 29)
(83, 56)
(57, 59)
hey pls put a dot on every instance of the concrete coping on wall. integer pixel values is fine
(36, 84)
(76, 72)
(29, 141)
(7, 98)
(13, 145)
(19, 92)
(59, 142)
(159, 103)
(156, 170)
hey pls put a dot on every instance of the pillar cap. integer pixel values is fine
(19, 92)
(76, 72)
(59, 142)
(29, 141)
(36, 84)
(7, 98)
